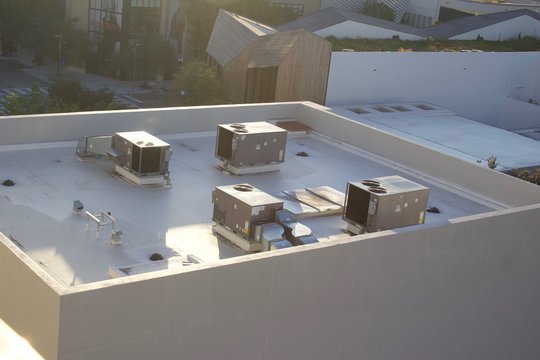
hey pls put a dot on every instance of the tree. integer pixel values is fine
(75, 46)
(63, 96)
(33, 103)
(34, 23)
(156, 56)
(200, 17)
(379, 10)
(14, 19)
(45, 21)
(199, 84)
(70, 95)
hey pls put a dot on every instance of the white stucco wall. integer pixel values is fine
(481, 86)
(511, 29)
(29, 300)
(466, 290)
(52, 127)
(351, 29)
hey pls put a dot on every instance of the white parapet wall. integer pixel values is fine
(29, 299)
(466, 290)
(73, 126)
(493, 88)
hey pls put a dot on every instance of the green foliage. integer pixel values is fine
(523, 44)
(14, 19)
(200, 84)
(33, 23)
(156, 55)
(75, 47)
(64, 96)
(378, 9)
(33, 103)
(45, 21)
(200, 15)
(532, 176)
(70, 95)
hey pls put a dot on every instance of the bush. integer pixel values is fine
(532, 176)
(379, 10)
(199, 84)
(63, 96)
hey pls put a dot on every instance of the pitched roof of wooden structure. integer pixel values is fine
(270, 50)
(232, 34)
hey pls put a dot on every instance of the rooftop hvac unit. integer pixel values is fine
(384, 203)
(237, 211)
(249, 148)
(141, 157)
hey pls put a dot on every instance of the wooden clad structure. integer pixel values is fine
(272, 66)
(232, 34)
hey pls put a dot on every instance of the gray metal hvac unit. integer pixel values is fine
(140, 156)
(250, 147)
(272, 237)
(240, 207)
(384, 203)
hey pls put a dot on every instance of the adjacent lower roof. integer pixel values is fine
(449, 133)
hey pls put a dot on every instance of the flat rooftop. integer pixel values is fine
(175, 221)
(443, 130)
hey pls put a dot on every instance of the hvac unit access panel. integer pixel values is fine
(250, 144)
(385, 203)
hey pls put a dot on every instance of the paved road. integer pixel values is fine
(130, 101)
(15, 81)
(11, 76)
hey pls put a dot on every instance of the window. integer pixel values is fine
(104, 16)
(144, 17)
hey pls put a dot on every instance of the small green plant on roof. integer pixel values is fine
(492, 162)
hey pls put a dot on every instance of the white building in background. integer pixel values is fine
(494, 26)
(417, 13)
(498, 89)
(347, 24)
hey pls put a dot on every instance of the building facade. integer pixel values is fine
(122, 32)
